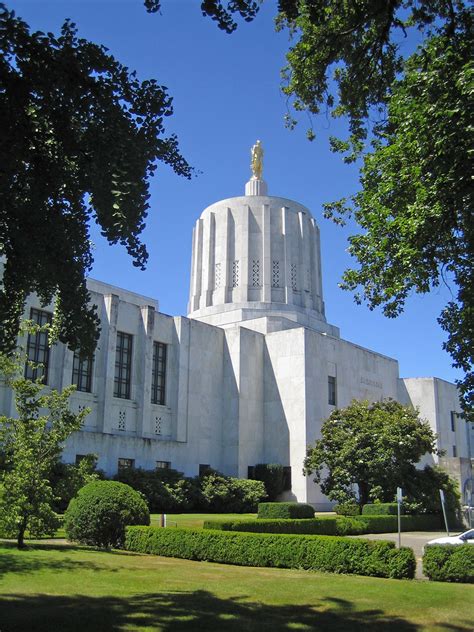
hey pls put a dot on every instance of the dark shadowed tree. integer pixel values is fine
(81, 135)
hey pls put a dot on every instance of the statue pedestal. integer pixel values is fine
(256, 187)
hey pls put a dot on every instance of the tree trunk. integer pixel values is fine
(21, 534)
(364, 490)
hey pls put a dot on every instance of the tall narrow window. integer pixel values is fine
(158, 374)
(453, 421)
(38, 348)
(82, 373)
(455, 451)
(331, 390)
(123, 365)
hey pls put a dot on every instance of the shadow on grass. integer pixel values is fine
(190, 612)
(20, 562)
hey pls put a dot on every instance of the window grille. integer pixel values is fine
(82, 373)
(157, 425)
(158, 374)
(123, 365)
(122, 420)
(235, 274)
(276, 274)
(218, 276)
(125, 464)
(38, 348)
(294, 283)
(255, 273)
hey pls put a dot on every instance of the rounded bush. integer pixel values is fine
(101, 511)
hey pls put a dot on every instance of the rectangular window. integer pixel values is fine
(158, 374)
(204, 468)
(453, 421)
(163, 465)
(82, 373)
(331, 390)
(126, 464)
(251, 471)
(37, 347)
(80, 457)
(123, 365)
(455, 452)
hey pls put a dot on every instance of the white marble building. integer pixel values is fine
(251, 373)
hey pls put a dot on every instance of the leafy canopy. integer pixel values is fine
(371, 448)
(415, 202)
(81, 135)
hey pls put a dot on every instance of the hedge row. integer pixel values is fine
(323, 553)
(285, 510)
(449, 563)
(380, 509)
(329, 525)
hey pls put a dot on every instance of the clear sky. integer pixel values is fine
(226, 94)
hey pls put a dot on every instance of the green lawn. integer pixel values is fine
(52, 588)
(195, 521)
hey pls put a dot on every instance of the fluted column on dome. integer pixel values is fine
(255, 256)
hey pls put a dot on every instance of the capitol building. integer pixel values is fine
(249, 375)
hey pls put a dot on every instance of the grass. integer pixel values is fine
(195, 521)
(49, 587)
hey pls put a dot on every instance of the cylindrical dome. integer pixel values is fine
(255, 256)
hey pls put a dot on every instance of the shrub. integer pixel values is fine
(285, 510)
(316, 526)
(325, 553)
(68, 478)
(224, 494)
(422, 493)
(272, 476)
(328, 525)
(349, 508)
(101, 511)
(165, 490)
(449, 563)
(380, 509)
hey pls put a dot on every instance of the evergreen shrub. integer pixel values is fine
(349, 508)
(323, 553)
(285, 510)
(328, 525)
(99, 513)
(272, 476)
(380, 509)
(449, 563)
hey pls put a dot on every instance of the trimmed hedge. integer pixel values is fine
(449, 563)
(380, 509)
(285, 510)
(323, 553)
(315, 526)
(328, 525)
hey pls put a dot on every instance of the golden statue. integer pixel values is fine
(256, 163)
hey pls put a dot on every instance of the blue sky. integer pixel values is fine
(226, 94)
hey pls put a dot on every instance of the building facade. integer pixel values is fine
(248, 376)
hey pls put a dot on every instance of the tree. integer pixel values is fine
(415, 203)
(371, 447)
(32, 443)
(80, 138)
